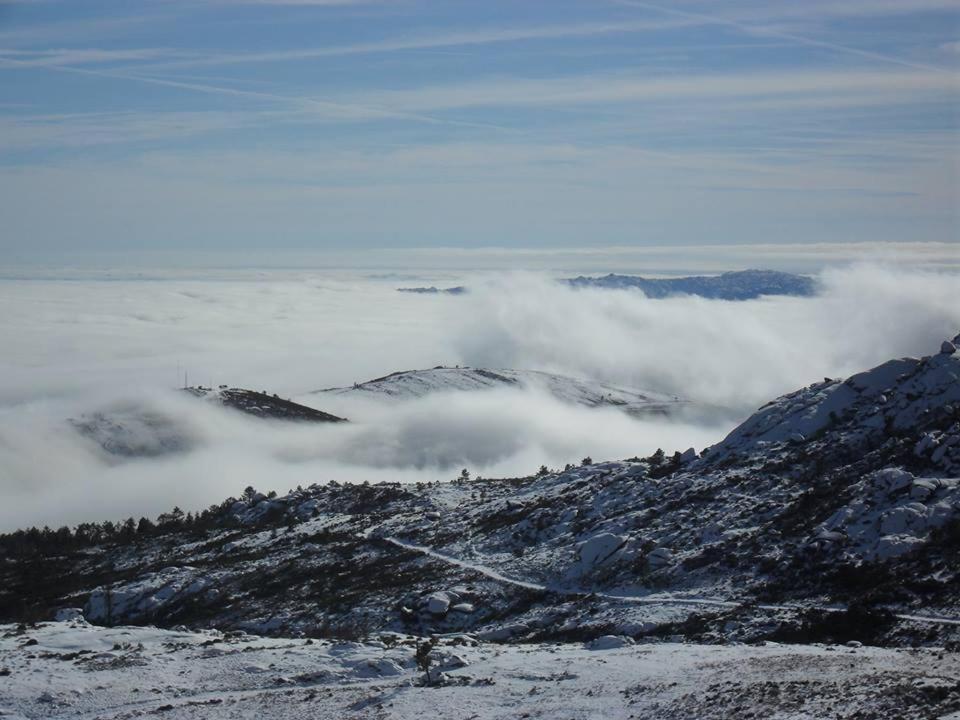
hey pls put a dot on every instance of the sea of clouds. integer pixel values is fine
(82, 342)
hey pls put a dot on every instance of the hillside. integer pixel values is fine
(738, 285)
(135, 430)
(735, 285)
(832, 513)
(433, 290)
(411, 384)
(263, 404)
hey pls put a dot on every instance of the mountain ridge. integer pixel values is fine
(732, 285)
(848, 532)
(412, 384)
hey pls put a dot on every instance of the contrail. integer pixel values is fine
(800, 39)
(341, 109)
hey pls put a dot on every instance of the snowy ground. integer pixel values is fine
(413, 384)
(75, 670)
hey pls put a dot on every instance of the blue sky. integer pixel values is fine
(331, 124)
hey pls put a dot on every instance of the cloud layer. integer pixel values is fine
(93, 345)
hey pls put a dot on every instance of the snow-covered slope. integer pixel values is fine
(831, 514)
(409, 384)
(74, 670)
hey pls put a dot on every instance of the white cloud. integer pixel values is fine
(83, 345)
(631, 87)
(78, 56)
(433, 40)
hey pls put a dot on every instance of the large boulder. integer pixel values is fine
(599, 549)
(69, 615)
(659, 557)
(892, 479)
(904, 520)
(438, 603)
(609, 642)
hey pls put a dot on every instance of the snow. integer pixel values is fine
(124, 672)
(413, 384)
(599, 548)
(69, 615)
(609, 642)
(438, 603)
(816, 519)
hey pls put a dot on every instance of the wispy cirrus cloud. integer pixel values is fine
(427, 41)
(333, 110)
(75, 30)
(824, 9)
(814, 84)
(83, 56)
(541, 120)
(768, 31)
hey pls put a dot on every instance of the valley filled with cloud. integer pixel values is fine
(115, 344)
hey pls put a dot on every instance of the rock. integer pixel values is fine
(901, 520)
(939, 454)
(940, 514)
(947, 348)
(438, 604)
(892, 479)
(891, 546)
(505, 632)
(599, 549)
(688, 455)
(446, 660)
(711, 532)
(922, 489)
(381, 667)
(609, 642)
(69, 615)
(830, 536)
(854, 644)
(797, 437)
(462, 608)
(659, 557)
(924, 444)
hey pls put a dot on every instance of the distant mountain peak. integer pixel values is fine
(263, 404)
(409, 384)
(733, 285)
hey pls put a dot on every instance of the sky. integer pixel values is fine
(333, 125)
